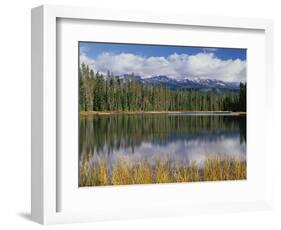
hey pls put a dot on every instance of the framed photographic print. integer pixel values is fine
(137, 114)
(161, 114)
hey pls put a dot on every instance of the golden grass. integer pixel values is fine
(141, 173)
(121, 173)
(127, 171)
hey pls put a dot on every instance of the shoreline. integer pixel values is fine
(92, 113)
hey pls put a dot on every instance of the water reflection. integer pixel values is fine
(150, 136)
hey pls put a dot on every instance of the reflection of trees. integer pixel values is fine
(122, 131)
(243, 130)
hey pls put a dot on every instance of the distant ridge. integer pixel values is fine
(198, 84)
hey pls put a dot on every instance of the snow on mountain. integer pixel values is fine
(190, 83)
(203, 84)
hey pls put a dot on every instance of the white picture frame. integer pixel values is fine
(45, 90)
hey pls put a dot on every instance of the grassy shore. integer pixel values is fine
(125, 171)
(91, 113)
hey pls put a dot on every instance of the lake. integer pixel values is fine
(183, 137)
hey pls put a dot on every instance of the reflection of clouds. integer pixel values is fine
(184, 150)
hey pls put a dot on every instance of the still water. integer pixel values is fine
(182, 136)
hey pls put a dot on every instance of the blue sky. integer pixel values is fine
(227, 64)
(93, 49)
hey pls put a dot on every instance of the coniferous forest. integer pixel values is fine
(110, 93)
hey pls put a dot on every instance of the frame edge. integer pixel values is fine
(37, 162)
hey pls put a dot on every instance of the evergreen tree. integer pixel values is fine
(97, 93)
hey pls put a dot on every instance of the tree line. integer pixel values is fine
(110, 93)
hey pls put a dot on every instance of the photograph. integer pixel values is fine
(151, 113)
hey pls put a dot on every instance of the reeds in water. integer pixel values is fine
(130, 171)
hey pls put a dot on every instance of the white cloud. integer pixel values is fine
(201, 65)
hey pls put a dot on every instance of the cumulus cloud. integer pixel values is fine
(179, 66)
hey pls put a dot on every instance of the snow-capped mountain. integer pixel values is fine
(200, 84)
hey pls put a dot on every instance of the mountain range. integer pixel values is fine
(198, 84)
